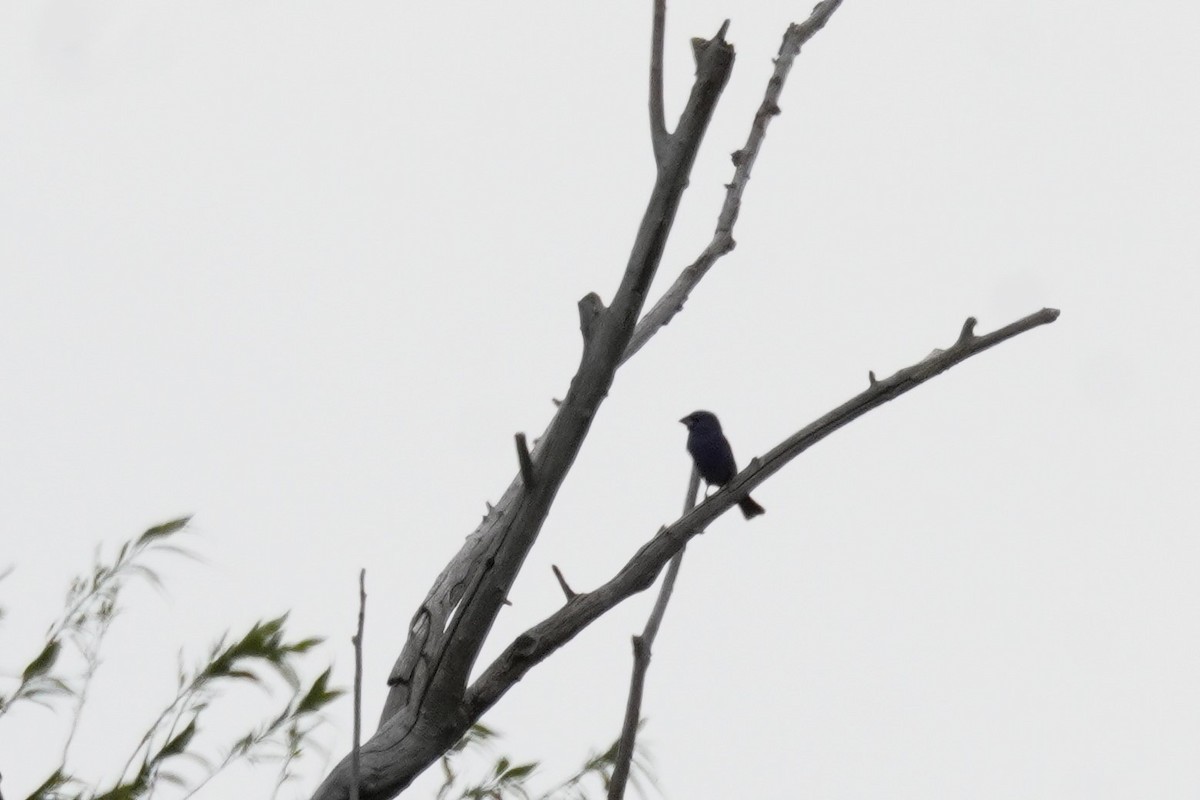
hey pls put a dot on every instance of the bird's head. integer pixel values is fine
(702, 420)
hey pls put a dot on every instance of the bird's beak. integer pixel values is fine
(684, 420)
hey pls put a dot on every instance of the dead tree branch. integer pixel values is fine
(538, 642)
(430, 705)
(562, 582)
(659, 138)
(425, 713)
(358, 669)
(524, 460)
(643, 648)
(671, 303)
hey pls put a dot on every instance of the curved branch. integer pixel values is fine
(531, 647)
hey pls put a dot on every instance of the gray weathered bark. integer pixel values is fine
(639, 572)
(426, 710)
(430, 705)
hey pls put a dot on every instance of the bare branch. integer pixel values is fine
(660, 140)
(643, 647)
(590, 309)
(525, 461)
(968, 330)
(422, 715)
(671, 303)
(535, 644)
(358, 669)
(562, 582)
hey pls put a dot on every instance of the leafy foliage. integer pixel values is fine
(506, 781)
(172, 750)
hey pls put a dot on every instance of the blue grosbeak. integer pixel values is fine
(713, 455)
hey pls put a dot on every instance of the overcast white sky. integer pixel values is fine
(303, 269)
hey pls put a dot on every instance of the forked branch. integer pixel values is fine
(535, 644)
(422, 716)
(671, 303)
(659, 138)
(643, 649)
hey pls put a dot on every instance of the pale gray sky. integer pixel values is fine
(303, 269)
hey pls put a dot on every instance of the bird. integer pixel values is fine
(714, 457)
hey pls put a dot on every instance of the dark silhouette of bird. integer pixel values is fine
(713, 455)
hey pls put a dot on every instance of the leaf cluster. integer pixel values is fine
(172, 751)
(504, 780)
(90, 608)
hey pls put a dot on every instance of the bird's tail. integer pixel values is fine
(750, 508)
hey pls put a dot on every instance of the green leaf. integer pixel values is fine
(171, 778)
(44, 661)
(51, 785)
(166, 529)
(177, 745)
(125, 791)
(519, 771)
(149, 575)
(304, 645)
(319, 695)
(44, 686)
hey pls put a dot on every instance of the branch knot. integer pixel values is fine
(590, 310)
(525, 460)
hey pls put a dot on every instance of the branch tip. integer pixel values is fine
(659, 138)
(357, 639)
(590, 309)
(968, 331)
(562, 582)
(699, 45)
(871, 376)
(525, 461)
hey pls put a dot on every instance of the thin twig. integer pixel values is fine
(91, 654)
(643, 647)
(660, 140)
(671, 303)
(538, 642)
(358, 669)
